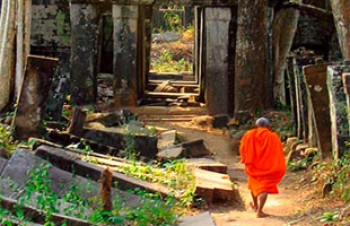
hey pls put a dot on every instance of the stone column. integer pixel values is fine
(217, 21)
(84, 19)
(346, 83)
(341, 13)
(253, 84)
(125, 19)
(338, 108)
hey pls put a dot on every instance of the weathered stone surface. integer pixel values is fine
(346, 83)
(252, 84)
(213, 187)
(170, 153)
(166, 139)
(310, 152)
(220, 121)
(34, 95)
(316, 79)
(19, 165)
(144, 145)
(341, 13)
(217, 33)
(199, 220)
(291, 142)
(299, 94)
(194, 149)
(116, 118)
(39, 216)
(338, 108)
(284, 27)
(125, 19)
(70, 163)
(84, 18)
(207, 164)
(3, 163)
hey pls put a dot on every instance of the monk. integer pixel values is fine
(262, 153)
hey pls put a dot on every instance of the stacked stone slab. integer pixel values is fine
(298, 92)
(338, 107)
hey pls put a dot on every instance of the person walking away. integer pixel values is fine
(262, 153)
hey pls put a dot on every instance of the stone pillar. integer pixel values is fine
(292, 92)
(316, 80)
(341, 13)
(125, 19)
(217, 21)
(33, 96)
(346, 83)
(84, 19)
(253, 84)
(284, 27)
(338, 108)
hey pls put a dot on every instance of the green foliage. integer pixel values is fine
(6, 140)
(173, 21)
(300, 164)
(167, 63)
(329, 217)
(174, 174)
(341, 175)
(40, 183)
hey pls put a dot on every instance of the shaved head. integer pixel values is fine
(262, 122)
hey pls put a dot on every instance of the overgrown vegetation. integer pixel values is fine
(6, 140)
(333, 178)
(151, 211)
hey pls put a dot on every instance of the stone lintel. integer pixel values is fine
(160, 2)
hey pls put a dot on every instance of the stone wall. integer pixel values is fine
(317, 32)
(50, 36)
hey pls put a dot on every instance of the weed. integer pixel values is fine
(6, 140)
(328, 217)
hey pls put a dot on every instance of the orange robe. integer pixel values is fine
(262, 153)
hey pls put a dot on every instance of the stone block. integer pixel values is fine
(338, 107)
(34, 95)
(316, 80)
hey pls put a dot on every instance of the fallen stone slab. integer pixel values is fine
(213, 187)
(23, 162)
(59, 139)
(116, 118)
(166, 139)
(207, 164)
(194, 149)
(38, 216)
(19, 166)
(190, 149)
(3, 163)
(144, 145)
(203, 219)
(171, 153)
(63, 160)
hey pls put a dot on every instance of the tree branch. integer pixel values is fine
(306, 7)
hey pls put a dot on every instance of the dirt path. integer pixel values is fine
(283, 208)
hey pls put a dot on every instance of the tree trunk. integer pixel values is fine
(253, 81)
(341, 13)
(7, 34)
(284, 28)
